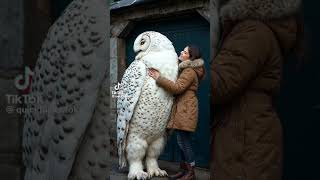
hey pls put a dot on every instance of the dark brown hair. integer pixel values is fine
(194, 52)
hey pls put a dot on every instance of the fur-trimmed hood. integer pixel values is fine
(197, 65)
(277, 14)
(258, 9)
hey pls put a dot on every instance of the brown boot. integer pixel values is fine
(183, 168)
(190, 175)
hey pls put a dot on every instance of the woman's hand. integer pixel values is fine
(154, 73)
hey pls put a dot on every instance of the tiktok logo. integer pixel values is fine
(22, 82)
(117, 91)
(117, 87)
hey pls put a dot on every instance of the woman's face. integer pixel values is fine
(184, 55)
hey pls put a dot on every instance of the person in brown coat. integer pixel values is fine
(184, 115)
(246, 74)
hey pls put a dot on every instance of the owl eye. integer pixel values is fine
(142, 42)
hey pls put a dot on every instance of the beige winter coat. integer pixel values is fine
(184, 115)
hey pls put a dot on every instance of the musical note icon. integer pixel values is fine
(25, 79)
(117, 87)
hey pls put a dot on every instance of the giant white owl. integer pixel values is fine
(65, 130)
(143, 107)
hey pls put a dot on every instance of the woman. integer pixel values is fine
(246, 75)
(184, 115)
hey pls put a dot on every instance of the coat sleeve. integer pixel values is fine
(241, 57)
(183, 82)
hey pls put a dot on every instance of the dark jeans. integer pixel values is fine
(184, 142)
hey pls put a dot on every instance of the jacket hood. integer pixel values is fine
(197, 65)
(277, 14)
(258, 9)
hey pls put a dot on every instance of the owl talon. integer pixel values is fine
(157, 172)
(138, 175)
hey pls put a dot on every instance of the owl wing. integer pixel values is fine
(130, 90)
(68, 75)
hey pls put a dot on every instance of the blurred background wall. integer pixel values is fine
(23, 25)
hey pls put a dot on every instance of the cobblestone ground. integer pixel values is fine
(170, 167)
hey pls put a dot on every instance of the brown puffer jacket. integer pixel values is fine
(184, 114)
(246, 74)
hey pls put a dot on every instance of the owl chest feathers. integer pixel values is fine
(152, 111)
(166, 62)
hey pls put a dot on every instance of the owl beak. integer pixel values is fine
(138, 54)
(138, 51)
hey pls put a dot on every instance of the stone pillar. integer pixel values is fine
(117, 68)
(113, 83)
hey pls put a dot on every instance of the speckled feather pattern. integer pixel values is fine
(131, 87)
(69, 74)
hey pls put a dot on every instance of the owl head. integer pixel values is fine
(151, 41)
